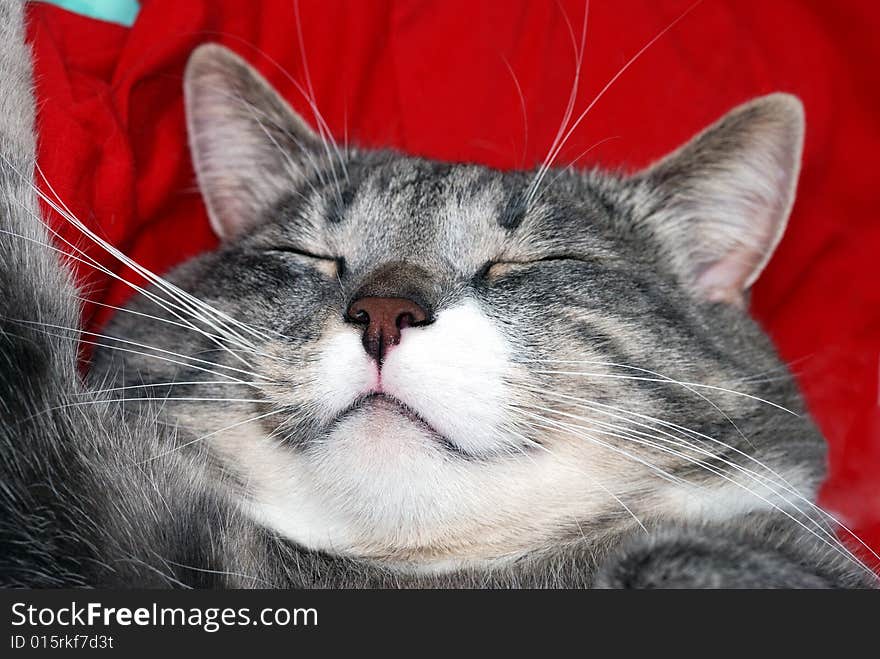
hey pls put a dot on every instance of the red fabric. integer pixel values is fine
(432, 78)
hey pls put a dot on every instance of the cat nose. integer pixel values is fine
(383, 318)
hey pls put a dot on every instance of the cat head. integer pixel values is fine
(444, 361)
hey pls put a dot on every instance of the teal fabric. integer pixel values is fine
(113, 11)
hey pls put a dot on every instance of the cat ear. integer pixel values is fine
(721, 201)
(247, 143)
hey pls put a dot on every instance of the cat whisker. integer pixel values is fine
(89, 261)
(785, 371)
(530, 442)
(680, 383)
(208, 314)
(253, 579)
(572, 99)
(169, 579)
(570, 165)
(775, 478)
(275, 358)
(522, 107)
(138, 399)
(214, 433)
(645, 442)
(834, 543)
(542, 423)
(152, 356)
(767, 481)
(164, 399)
(254, 111)
(323, 128)
(157, 385)
(108, 390)
(659, 375)
(284, 153)
(176, 324)
(623, 432)
(106, 337)
(557, 148)
(557, 425)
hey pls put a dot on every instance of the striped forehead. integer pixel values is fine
(438, 212)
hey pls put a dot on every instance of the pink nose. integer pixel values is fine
(383, 318)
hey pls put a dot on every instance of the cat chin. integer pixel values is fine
(382, 486)
(360, 490)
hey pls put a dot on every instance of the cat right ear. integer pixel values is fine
(721, 201)
(247, 143)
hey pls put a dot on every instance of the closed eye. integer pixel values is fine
(332, 266)
(495, 269)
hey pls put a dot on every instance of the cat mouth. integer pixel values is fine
(383, 401)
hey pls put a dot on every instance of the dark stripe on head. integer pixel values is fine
(514, 211)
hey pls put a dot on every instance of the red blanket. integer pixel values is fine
(488, 81)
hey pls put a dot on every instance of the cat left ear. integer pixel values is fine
(248, 145)
(721, 202)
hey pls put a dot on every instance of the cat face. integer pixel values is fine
(443, 362)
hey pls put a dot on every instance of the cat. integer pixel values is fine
(396, 372)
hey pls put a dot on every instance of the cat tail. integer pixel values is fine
(38, 365)
(80, 505)
(36, 290)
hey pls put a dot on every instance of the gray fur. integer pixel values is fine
(97, 493)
